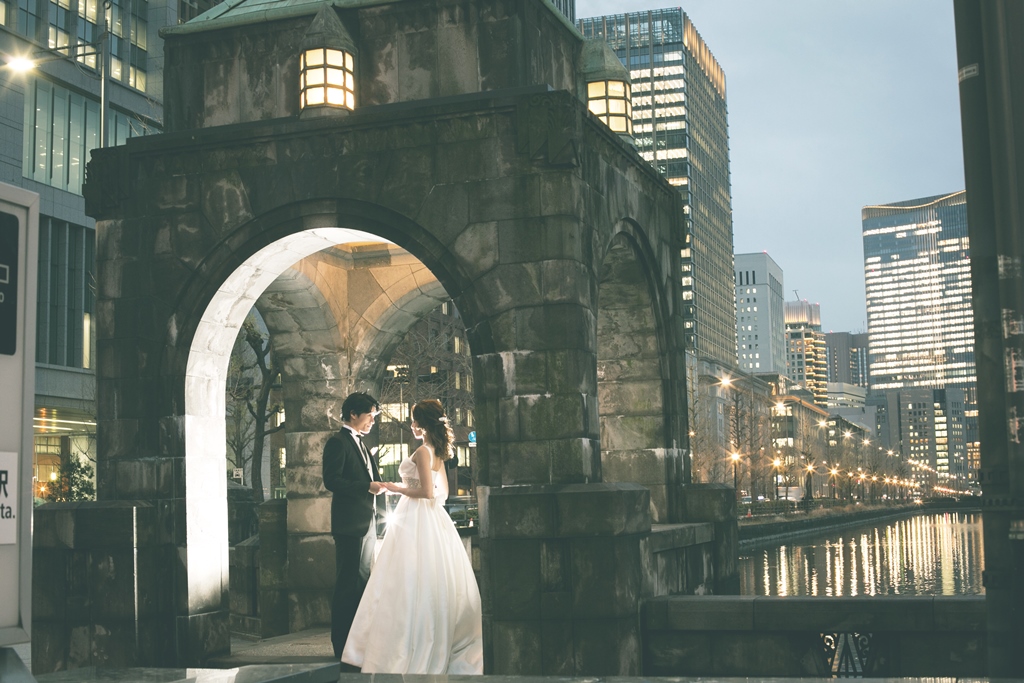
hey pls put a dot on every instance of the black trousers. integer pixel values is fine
(348, 587)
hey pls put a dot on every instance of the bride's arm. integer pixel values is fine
(422, 458)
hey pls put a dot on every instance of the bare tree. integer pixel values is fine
(432, 361)
(252, 377)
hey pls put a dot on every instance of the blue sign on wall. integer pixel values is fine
(472, 437)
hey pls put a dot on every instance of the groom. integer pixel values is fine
(350, 474)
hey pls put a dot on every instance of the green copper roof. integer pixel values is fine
(240, 12)
(600, 62)
(328, 31)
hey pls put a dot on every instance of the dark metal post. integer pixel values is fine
(990, 57)
(103, 67)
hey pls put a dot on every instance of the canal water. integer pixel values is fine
(929, 554)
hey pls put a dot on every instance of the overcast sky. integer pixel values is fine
(833, 105)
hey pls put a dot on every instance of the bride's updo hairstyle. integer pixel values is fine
(429, 415)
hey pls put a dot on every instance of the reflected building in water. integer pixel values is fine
(931, 554)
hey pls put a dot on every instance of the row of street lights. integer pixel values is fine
(834, 474)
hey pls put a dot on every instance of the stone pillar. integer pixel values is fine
(273, 578)
(716, 503)
(562, 578)
(991, 75)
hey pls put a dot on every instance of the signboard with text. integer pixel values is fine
(19, 235)
(9, 513)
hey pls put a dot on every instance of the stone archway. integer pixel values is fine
(632, 367)
(333, 315)
(328, 315)
(508, 193)
(259, 275)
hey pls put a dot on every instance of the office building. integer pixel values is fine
(918, 281)
(846, 355)
(683, 131)
(843, 395)
(928, 429)
(566, 7)
(805, 349)
(917, 276)
(760, 319)
(51, 121)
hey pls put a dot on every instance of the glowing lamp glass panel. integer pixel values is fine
(611, 101)
(327, 79)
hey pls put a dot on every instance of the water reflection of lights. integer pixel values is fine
(783, 572)
(929, 554)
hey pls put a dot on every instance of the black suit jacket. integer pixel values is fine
(345, 476)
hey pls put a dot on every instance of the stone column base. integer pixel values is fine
(109, 589)
(562, 578)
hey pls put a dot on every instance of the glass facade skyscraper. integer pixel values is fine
(680, 125)
(917, 276)
(566, 7)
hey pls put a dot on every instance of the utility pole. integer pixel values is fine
(990, 58)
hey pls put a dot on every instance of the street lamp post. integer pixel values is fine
(103, 49)
(776, 464)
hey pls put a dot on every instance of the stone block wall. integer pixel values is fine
(562, 578)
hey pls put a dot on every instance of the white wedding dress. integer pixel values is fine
(420, 612)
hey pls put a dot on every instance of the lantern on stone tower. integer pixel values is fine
(609, 93)
(327, 75)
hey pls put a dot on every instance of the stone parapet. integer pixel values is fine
(866, 636)
(679, 559)
(715, 504)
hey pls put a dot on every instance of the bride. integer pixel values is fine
(420, 613)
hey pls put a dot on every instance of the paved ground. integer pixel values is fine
(309, 646)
